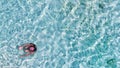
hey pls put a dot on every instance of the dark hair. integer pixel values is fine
(33, 45)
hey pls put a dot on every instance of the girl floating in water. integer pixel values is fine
(28, 48)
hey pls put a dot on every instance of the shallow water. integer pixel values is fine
(68, 33)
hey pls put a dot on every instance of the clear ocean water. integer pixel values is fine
(67, 33)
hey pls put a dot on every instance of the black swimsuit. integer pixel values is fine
(32, 50)
(28, 48)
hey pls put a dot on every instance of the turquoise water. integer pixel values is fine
(68, 33)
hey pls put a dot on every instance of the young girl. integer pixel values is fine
(28, 48)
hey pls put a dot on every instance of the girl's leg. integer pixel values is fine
(26, 54)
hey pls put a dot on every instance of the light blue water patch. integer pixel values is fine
(67, 33)
(75, 64)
